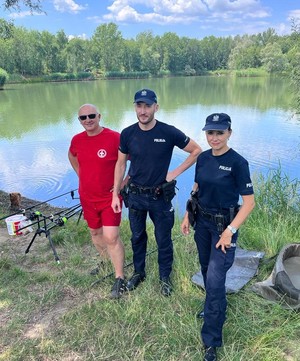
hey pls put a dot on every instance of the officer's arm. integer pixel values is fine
(194, 149)
(120, 169)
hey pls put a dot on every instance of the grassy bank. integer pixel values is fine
(51, 311)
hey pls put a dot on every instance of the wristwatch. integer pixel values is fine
(232, 229)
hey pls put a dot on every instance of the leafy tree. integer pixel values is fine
(6, 29)
(194, 56)
(246, 54)
(213, 52)
(268, 36)
(151, 59)
(47, 49)
(107, 47)
(61, 39)
(6, 60)
(131, 56)
(25, 52)
(77, 55)
(224, 49)
(3, 77)
(171, 53)
(273, 59)
(294, 55)
(33, 5)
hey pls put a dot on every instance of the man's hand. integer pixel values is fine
(116, 204)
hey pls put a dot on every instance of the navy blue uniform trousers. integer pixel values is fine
(162, 215)
(214, 266)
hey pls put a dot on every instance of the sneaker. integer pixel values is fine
(210, 354)
(118, 288)
(96, 271)
(166, 286)
(135, 280)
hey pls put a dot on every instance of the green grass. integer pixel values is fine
(51, 311)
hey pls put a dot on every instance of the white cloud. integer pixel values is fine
(69, 6)
(154, 11)
(23, 14)
(183, 11)
(239, 8)
(294, 14)
(179, 6)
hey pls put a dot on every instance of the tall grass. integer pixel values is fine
(54, 312)
(276, 218)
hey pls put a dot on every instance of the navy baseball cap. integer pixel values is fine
(217, 121)
(145, 96)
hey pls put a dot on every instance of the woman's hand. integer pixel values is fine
(225, 240)
(185, 225)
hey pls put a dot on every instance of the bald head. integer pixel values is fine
(87, 109)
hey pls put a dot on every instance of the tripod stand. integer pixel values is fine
(45, 224)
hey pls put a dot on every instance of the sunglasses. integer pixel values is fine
(90, 116)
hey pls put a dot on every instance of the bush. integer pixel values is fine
(85, 75)
(127, 75)
(250, 72)
(3, 77)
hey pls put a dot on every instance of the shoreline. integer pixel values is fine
(25, 204)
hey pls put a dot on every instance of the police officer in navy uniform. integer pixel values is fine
(221, 177)
(149, 143)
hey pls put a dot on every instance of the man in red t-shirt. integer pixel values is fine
(93, 154)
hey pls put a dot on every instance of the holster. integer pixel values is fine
(124, 194)
(192, 207)
(168, 190)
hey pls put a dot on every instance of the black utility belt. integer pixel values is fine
(136, 189)
(216, 218)
(167, 190)
(222, 220)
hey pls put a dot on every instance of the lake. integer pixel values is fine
(38, 121)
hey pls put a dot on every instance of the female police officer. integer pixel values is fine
(221, 177)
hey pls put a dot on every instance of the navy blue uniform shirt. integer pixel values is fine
(222, 179)
(151, 151)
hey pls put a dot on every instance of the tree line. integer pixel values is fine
(32, 53)
(36, 53)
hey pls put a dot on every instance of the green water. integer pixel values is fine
(37, 122)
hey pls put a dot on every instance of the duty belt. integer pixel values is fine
(217, 218)
(136, 189)
(220, 219)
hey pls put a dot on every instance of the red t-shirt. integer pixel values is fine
(97, 156)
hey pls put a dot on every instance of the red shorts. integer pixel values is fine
(98, 214)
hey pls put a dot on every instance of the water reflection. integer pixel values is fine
(38, 121)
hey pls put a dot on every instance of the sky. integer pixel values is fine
(190, 18)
